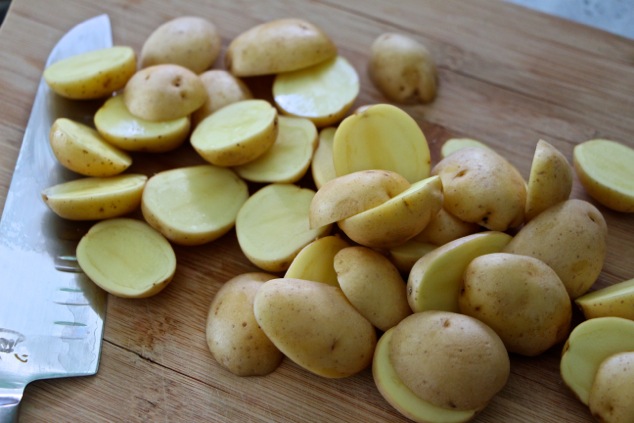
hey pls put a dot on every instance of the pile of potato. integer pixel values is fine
(430, 273)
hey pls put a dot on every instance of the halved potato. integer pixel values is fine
(612, 394)
(444, 227)
(322, 93)
(193, 205)
(94, 198)
(81, 149)
(237, 133)
(122, 129)
(127, 258)
(222, 88)
(288, 159)
(323, 166)
(315, 261)
(91, 75)
(615, 300)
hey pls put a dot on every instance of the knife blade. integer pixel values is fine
(51, 314)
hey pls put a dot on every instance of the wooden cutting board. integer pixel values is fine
(508, 76)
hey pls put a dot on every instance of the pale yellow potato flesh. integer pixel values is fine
(612, 394)
(315, 261)
(382, 136)
(91, 75)
(236, 134)
(193, 205)
(82, 149)
(92, 198)
(589, 344)
(322, 166)
(272, 226)
(122, 129)
(454, 144)
(615, 300)
(222, 88)
(127, 258)
(435, 280)
(289, 158)
(392, 388)
(322, 93)
(405, 255)
(605, 170)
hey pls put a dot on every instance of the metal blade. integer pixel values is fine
(51, 315)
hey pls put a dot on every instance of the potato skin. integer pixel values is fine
(222, 88)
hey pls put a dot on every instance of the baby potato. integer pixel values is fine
(322, 166)
(315, 261)
(126, 258)
(222, 88)
(237, 133)
(482, 187)
(615, 300)
(193, 205)
(234, 337)
(402, 69)
(93, 198)
(611, 397)
(322, 93)
(281, 45)
(122, 129)
(520, 297)
(164, 92)
(189, 41)
(314, 325)
(444, 227)
(92, 75)
(80, 148)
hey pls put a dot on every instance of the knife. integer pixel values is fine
(51, 314)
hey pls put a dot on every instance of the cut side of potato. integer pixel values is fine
(382, 136)
(322, 93)
(615, 300)
(193, 205)
(80, 148)
(237, 133)
(126, 258)
(272, 226)
(323, 166)
(289, 158)
(94, 198)
(122, 129)
(315, 261)
(455, 144)
(91, 75)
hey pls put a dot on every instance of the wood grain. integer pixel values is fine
(508, 76)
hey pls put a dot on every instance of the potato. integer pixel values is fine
(322, 167)
(611, 397)
(164, 92)
(122, 129)
(281, 45)
(234, 337)
(373, 285)
(314, 325)
(80, 148)
(615, 300)
(322, 93)
(382, 136)
(315, 262)
(272, 226)
(189, 41)
(454, 144)
(193, 205)
(93, 198)
(550, 180)
(482, 187)
(222, 88)
(126, 258)
(405, 255)
(402, 69)
(520, 297)
(435, 280)
(570, 237)
(590, 343)
(288, 159)
(398, 219)
(91, 75)
(604, 168)
(237, 133)
(445, 227)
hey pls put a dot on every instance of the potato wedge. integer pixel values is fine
(322, 166)
(222, 88)
(615, 300)
(315, 261)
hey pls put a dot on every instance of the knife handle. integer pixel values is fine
(10, 403)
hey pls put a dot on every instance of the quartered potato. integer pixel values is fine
(80, 148)
(322, 93)
(315, 262)
(289, 158)
(615, 300)
(382, 136)
(281, 45)
(322, 166)
(455, 144)
(272, 226)
(95, 198)
(127, 258)
(91, 75)
(237, 133)
(193, 205)
(122, 129)
(222, 88)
